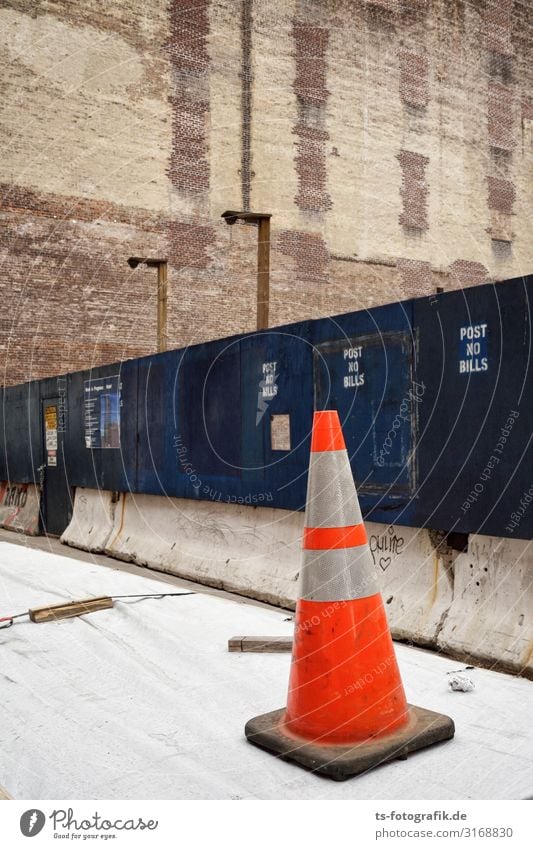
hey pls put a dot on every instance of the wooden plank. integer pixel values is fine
(235, 644)
(72, 608)
(260, 644)
(4, 794)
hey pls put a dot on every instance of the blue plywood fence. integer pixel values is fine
(435, 395)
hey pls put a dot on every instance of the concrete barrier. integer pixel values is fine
(477, 604)
(415, 579)
(249, 550)
(92, 520)
(491, 615)
(19, 507)
(256, 552)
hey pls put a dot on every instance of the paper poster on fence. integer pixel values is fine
(102, 412)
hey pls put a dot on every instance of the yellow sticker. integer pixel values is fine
(50, 418)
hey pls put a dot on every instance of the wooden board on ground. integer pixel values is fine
(69, 609)
(4, 794)
(260, 644)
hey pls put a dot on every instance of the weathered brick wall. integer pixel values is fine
(413, 107)
(85, 133)
(69, 299)
(392, 141)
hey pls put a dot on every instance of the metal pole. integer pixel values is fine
(162, 306)
(263, 272)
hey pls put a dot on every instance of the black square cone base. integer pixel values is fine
(340, 762)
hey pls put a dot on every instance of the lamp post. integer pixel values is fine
(262, 219)
(161, 265)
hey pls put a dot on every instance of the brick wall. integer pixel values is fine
(85, 135)
(70, 301)
(391, 140)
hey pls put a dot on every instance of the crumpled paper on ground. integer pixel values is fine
(461, 682)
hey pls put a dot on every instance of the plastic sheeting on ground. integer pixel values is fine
(144, 701)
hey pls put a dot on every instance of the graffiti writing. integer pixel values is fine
(15, 496)
(385, 546)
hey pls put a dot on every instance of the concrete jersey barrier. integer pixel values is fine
(92, 519)
(476, 604)
(490, 617)
(244, 549)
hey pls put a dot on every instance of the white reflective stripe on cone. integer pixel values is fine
(331, 497)
(338, 574)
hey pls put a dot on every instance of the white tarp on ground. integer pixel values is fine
(144, 701)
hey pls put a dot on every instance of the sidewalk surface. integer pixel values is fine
(143, 701)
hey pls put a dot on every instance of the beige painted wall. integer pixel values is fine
(85, 108)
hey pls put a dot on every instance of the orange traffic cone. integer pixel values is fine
(346, 710)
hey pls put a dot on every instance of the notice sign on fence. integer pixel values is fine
(473, 355)
(50, 424)
(50, 429)
(102, 412)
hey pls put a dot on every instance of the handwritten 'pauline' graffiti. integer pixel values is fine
(385, 546)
